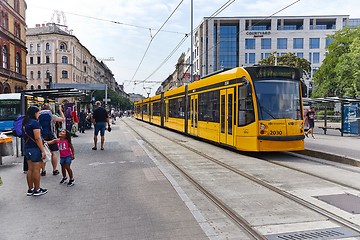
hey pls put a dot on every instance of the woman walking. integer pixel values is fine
(34, 151)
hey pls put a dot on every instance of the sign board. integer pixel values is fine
(108, 100)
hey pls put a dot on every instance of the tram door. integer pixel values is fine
(193, 115)
(226, 116)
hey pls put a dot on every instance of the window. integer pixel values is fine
(314, 43)
(38, 47)
(5, 57)
(5, 21)
(249, 58)
(31, 47)
(31, 60)
(39, 75)
(17, 30)
(47, 46)
(282, 43)
(64, 74)
(62, 46)
(47, 59)
(300, 55)
(249, 43)
(32, 75)
(226, 51)
(209, 107)
(17, 6)
(314, 57)
(298, 43)
(328, 41)
(17, 63)
(64, 59)
(39, 87)
(38, 60)
(264, 55)
(177, 107)
(266, 43)
(246, 108)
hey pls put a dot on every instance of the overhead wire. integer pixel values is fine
(112, 21)
(218, 11)
(151, 39)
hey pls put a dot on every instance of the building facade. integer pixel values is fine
(12, 46)
(57, 56)
(241, 41)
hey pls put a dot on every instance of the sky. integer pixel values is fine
(127, 31)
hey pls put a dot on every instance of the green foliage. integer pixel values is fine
(288, 59)
(117, 101)
(339, 73)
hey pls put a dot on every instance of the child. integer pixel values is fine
(67, 154)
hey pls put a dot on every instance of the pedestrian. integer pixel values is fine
(47, 119)
(310, 117)
(74, 121)
(82, 121)
(67, 155)
(34, 151)
(100, 118)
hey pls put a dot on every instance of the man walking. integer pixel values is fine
(100, 118)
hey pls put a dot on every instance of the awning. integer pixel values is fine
(55, 93)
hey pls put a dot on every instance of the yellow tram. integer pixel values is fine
(256, 108)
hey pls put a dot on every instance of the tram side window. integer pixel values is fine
(246, 107)
(145, 108)
(177, 107)
(156, 109)
(209, 106)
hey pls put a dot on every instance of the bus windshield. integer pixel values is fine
(278, 99)
(9, 109)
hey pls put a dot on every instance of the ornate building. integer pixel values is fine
(12, 46)
(56, 56)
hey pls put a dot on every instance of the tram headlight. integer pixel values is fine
(262, 127)
(301, 126)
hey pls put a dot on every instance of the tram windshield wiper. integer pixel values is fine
(267, 111)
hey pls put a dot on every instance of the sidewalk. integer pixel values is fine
(119, 193)
(334, 147)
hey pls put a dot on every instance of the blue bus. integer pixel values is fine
(10, 109)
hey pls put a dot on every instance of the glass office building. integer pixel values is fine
(241, 41)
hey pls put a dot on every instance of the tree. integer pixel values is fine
(288, 59)
(117, 101)
(339, 73)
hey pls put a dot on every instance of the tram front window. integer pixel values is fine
(278, 99)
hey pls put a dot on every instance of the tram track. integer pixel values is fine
(233, 214)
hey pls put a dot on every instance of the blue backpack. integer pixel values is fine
(18, 130)
(45, 120)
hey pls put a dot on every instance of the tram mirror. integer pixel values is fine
(304, 89)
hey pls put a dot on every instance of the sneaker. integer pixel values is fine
(40, 191)
(63, 180)
(56, 172)
(43, 173)
(30, 192)
(71, 183)
(306, 135)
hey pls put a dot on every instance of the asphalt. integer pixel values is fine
(120, 193)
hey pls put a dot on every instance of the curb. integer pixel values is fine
(330, 157)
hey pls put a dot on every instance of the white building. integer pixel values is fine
(227, 42)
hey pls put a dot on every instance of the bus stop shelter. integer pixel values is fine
(349, 113)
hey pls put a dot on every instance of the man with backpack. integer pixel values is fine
(47, 120)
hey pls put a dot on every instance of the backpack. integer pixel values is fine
(45, 120)
(18, 130)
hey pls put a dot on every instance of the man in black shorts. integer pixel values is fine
(100, 118)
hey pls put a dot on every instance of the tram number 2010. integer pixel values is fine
(275, 132)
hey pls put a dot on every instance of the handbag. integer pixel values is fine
(47, 152)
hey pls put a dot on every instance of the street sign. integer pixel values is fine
(108, 100)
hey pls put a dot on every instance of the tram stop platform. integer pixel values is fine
(334, 147)
(119, 193)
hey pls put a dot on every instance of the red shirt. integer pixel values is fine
(64, 148)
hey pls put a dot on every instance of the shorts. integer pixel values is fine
(100, 126)
(65, 160)
(311, 123)
(33, 154)
(53, 147)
